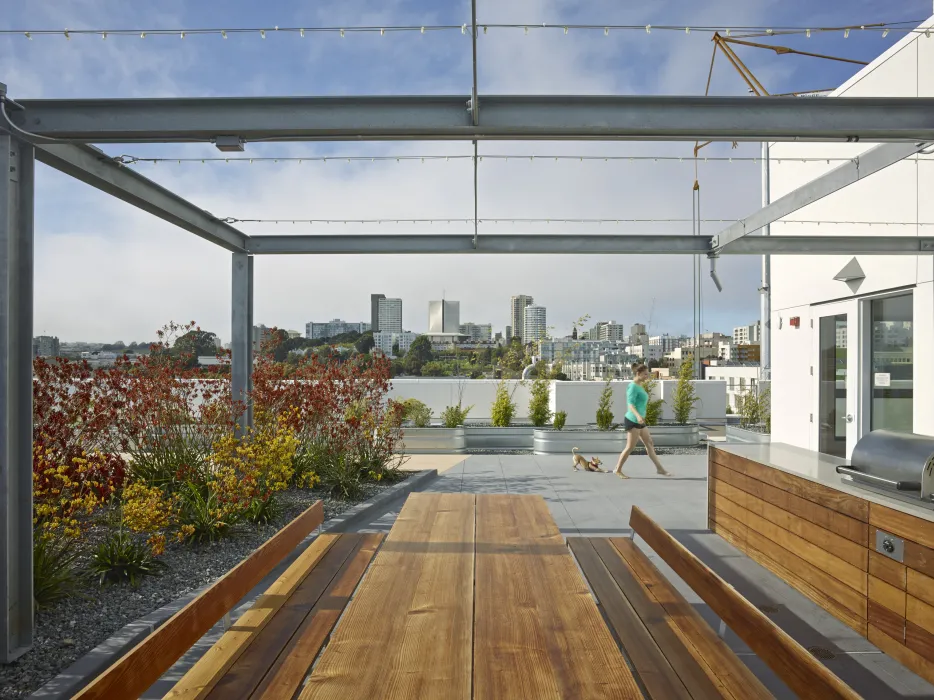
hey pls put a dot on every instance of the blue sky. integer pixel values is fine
(106, 271)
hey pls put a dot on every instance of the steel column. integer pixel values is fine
(583, 244)
(241, 334)
(765, 292)
(17, 180)
(872, 161)
(509, 117)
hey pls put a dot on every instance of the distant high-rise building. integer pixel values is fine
(535, 326)
(390, 315)
(46, 346)
(374, 311)
(261, 334)
(636, 333)
(607, 330)
(477, 331)
(508, 333)
(517, 313)
(329, 329)
(746, 335)
(444, 316)
(667, 342)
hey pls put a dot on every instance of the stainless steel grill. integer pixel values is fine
(898, 463)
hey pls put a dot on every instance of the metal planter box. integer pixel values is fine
(736, 434)
(515, 437)
(547, 442)
(673, 435)
(434, 440)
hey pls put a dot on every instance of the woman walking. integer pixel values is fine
(637, 400)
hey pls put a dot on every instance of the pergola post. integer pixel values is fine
(241, 337)
(17, 178)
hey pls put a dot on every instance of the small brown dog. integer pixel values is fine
(592, 466)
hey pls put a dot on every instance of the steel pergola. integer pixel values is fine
(58, 133)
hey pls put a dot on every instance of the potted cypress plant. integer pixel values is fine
(683, 431)
(420, 437)
(502, 435)
(606, 439)
(755, 417)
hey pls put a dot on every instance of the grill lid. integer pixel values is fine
(896, 460)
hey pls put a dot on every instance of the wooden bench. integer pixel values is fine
(673, 650)
(136, 671)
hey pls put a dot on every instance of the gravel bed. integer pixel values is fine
(497, 452)
(75, 626)
(640, 450)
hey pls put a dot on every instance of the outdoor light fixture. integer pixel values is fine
(228, 144)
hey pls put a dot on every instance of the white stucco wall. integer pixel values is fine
(900, 193)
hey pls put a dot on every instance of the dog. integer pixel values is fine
(592, 466)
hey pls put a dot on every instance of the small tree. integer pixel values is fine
(454, 416)
(561, 418)
(539, 403)
(604, 408)
(653, 409)
(685, 397)
(504, 408)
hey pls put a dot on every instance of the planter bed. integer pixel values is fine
(549, 441)
(434, 440)
(71, 628)
(515, 437)
(736, 434)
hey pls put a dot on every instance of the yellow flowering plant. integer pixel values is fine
(64, 497)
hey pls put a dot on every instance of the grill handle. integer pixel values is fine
(899, 485)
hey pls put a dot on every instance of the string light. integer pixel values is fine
(182, 35)
(846, 33)
(262, 33)
(586, 221)
(342, 33)
(908, 27)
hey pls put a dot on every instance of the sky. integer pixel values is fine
(106, 271)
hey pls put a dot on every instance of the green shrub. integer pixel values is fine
(341, 476)
(53, 569)
(685, 396)
(454, 416)
(653, 409)
(729, 410)
(264, 510)
(539, 403)
(755, 409)
(417, 412)
(560, 419)
(504, 408)
(202, 516)
(604, 408)
(121, 559)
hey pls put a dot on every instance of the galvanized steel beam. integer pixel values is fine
(508, 117)
(96, 168)
(872, 161)
(241, 338)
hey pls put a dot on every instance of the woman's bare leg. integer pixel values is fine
(646, 438)
(631, 441)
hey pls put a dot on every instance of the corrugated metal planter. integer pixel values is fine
(434, 440)
(675, 435)
(589, 442)
(736, 434)
(515, 437)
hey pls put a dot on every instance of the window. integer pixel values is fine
(742, 382)
(892, 364)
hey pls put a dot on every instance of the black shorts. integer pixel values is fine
(631, 424)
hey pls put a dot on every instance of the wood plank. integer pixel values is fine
(649, 661)
(838, 501)
(253, 665)
(804, 674)
(920, 586)
(201, 678)
(889, 622)
(729, 529)
(892, 572)
(903, 525)
(145, 663)
(285, 676)
(839, 600)
(831, 590)
(538, 633)
(901, 653)
(918, 557)
(728, 491)
(840, 524)
(887, 595)
(846, 573)
(715, 657)
(407, 631)
(920, 613)
(919, 640)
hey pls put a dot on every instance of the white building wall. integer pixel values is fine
(900, 193)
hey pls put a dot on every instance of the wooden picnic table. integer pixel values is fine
(469, 596)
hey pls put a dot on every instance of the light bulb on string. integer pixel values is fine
(142, 35)
(381, 31)
(182, 35)
(27, 35)
(104, 36)
(648, 29)
(606, 31)
(262, 33)
(687, 30)
(301, 32)
(67, 35)
(526, 31)
(463, 29)
(565, 30)
(342, 33)
(223, 33)
(846, 33)
(423, 30)
(885, 32)
(484, 30)
(728, 31)
(807, 33)
(769, 32)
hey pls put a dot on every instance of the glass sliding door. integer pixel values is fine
(891, 371)
(832, 384)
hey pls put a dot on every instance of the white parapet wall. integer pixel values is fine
(577, 399)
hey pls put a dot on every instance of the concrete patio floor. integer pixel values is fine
(591, 504)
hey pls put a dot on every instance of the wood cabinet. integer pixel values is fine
(821, 541)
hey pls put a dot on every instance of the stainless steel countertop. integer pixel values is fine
(821, 469)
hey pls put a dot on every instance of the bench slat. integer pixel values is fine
(652, 666)
(538, 633)
(407, 632)
(253, 665)
(201, 678)
(804, 674)
(145, 663)
(716, 658)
